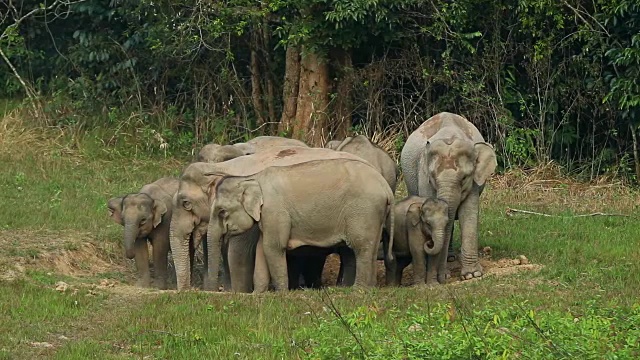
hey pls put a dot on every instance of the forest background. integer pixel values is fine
(543, 80)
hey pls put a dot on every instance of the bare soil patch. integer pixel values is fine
(100, 266)
(499, 267)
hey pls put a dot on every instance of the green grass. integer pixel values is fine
(581, 304)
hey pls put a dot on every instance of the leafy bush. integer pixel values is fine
(436, 332)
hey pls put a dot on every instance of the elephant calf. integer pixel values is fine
(146, 216)
(419, 233)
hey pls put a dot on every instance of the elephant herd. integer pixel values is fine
(268, 212)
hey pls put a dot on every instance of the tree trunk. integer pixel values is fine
(290, 90)
(342, 106)
(636, 161)
(256, 90)
(268, 66)
(313, 100)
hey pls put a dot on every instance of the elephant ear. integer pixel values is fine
(115, 209)
(485, 162)
(159, 209)
(212, 181)
(413, 214)
(252, 198)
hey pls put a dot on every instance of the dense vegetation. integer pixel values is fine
(544, 80)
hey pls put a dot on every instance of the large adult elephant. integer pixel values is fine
(361, 146)
(323, 203)
(219, 153)
(447, 158)
(192, 203)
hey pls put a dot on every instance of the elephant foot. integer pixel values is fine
(470, 272)
(443, 277)
(143, 283)
(160, 285)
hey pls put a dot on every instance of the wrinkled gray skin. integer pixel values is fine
(146, 216)
(323, 203)
(361, 146)
(420, 226)
(447, 158)
(218, 153)
(192, 205)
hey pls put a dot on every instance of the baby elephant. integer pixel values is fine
(146, 216)
(418, 233)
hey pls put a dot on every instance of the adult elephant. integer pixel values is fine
(447, 158)
(219, 153)
(323, 203)
(361, 146)
(192, 203)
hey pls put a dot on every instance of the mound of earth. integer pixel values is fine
(101, 264)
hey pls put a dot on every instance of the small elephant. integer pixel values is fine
(192, 205)
(146, 216)
(420, 226)
(361, 146)
(323, 203)
(447, 158)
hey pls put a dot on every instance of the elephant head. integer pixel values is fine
(139, 214)
(236, 207)
(191, 206)
(431, 217)
(454, 167)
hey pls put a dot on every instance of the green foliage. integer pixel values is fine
(518, 330)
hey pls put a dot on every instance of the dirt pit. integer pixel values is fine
(101, 265)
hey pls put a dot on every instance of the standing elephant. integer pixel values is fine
(420, 226)
(361, 146)
(146, 216)
(192, 205)
(447, 158)
(322, 203)
(218, 153)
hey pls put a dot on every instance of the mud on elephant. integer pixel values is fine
(192, 205)
(322, 203)
(146, 216)
(447, 158)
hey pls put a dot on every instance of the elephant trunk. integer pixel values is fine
(130, 235)
(179, 238)
(442, 237)
(434, 246)
(215, 234)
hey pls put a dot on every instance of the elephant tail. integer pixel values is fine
(391, 216)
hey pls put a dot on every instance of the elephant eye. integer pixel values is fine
(222, 213)
(186, 204)
(143, 221)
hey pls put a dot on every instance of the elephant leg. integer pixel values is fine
(294, 266)
(451, 254)
(347, 273)
(192, 258)
(419, 260)
(403, 262)
(469, 230)
(261, 271)
(224, 277)
(142, 263)
(160, 252)
(440, 260)
(312, 271)
(275, 239)
(241, 257)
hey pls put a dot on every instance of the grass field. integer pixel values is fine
(581, 301)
